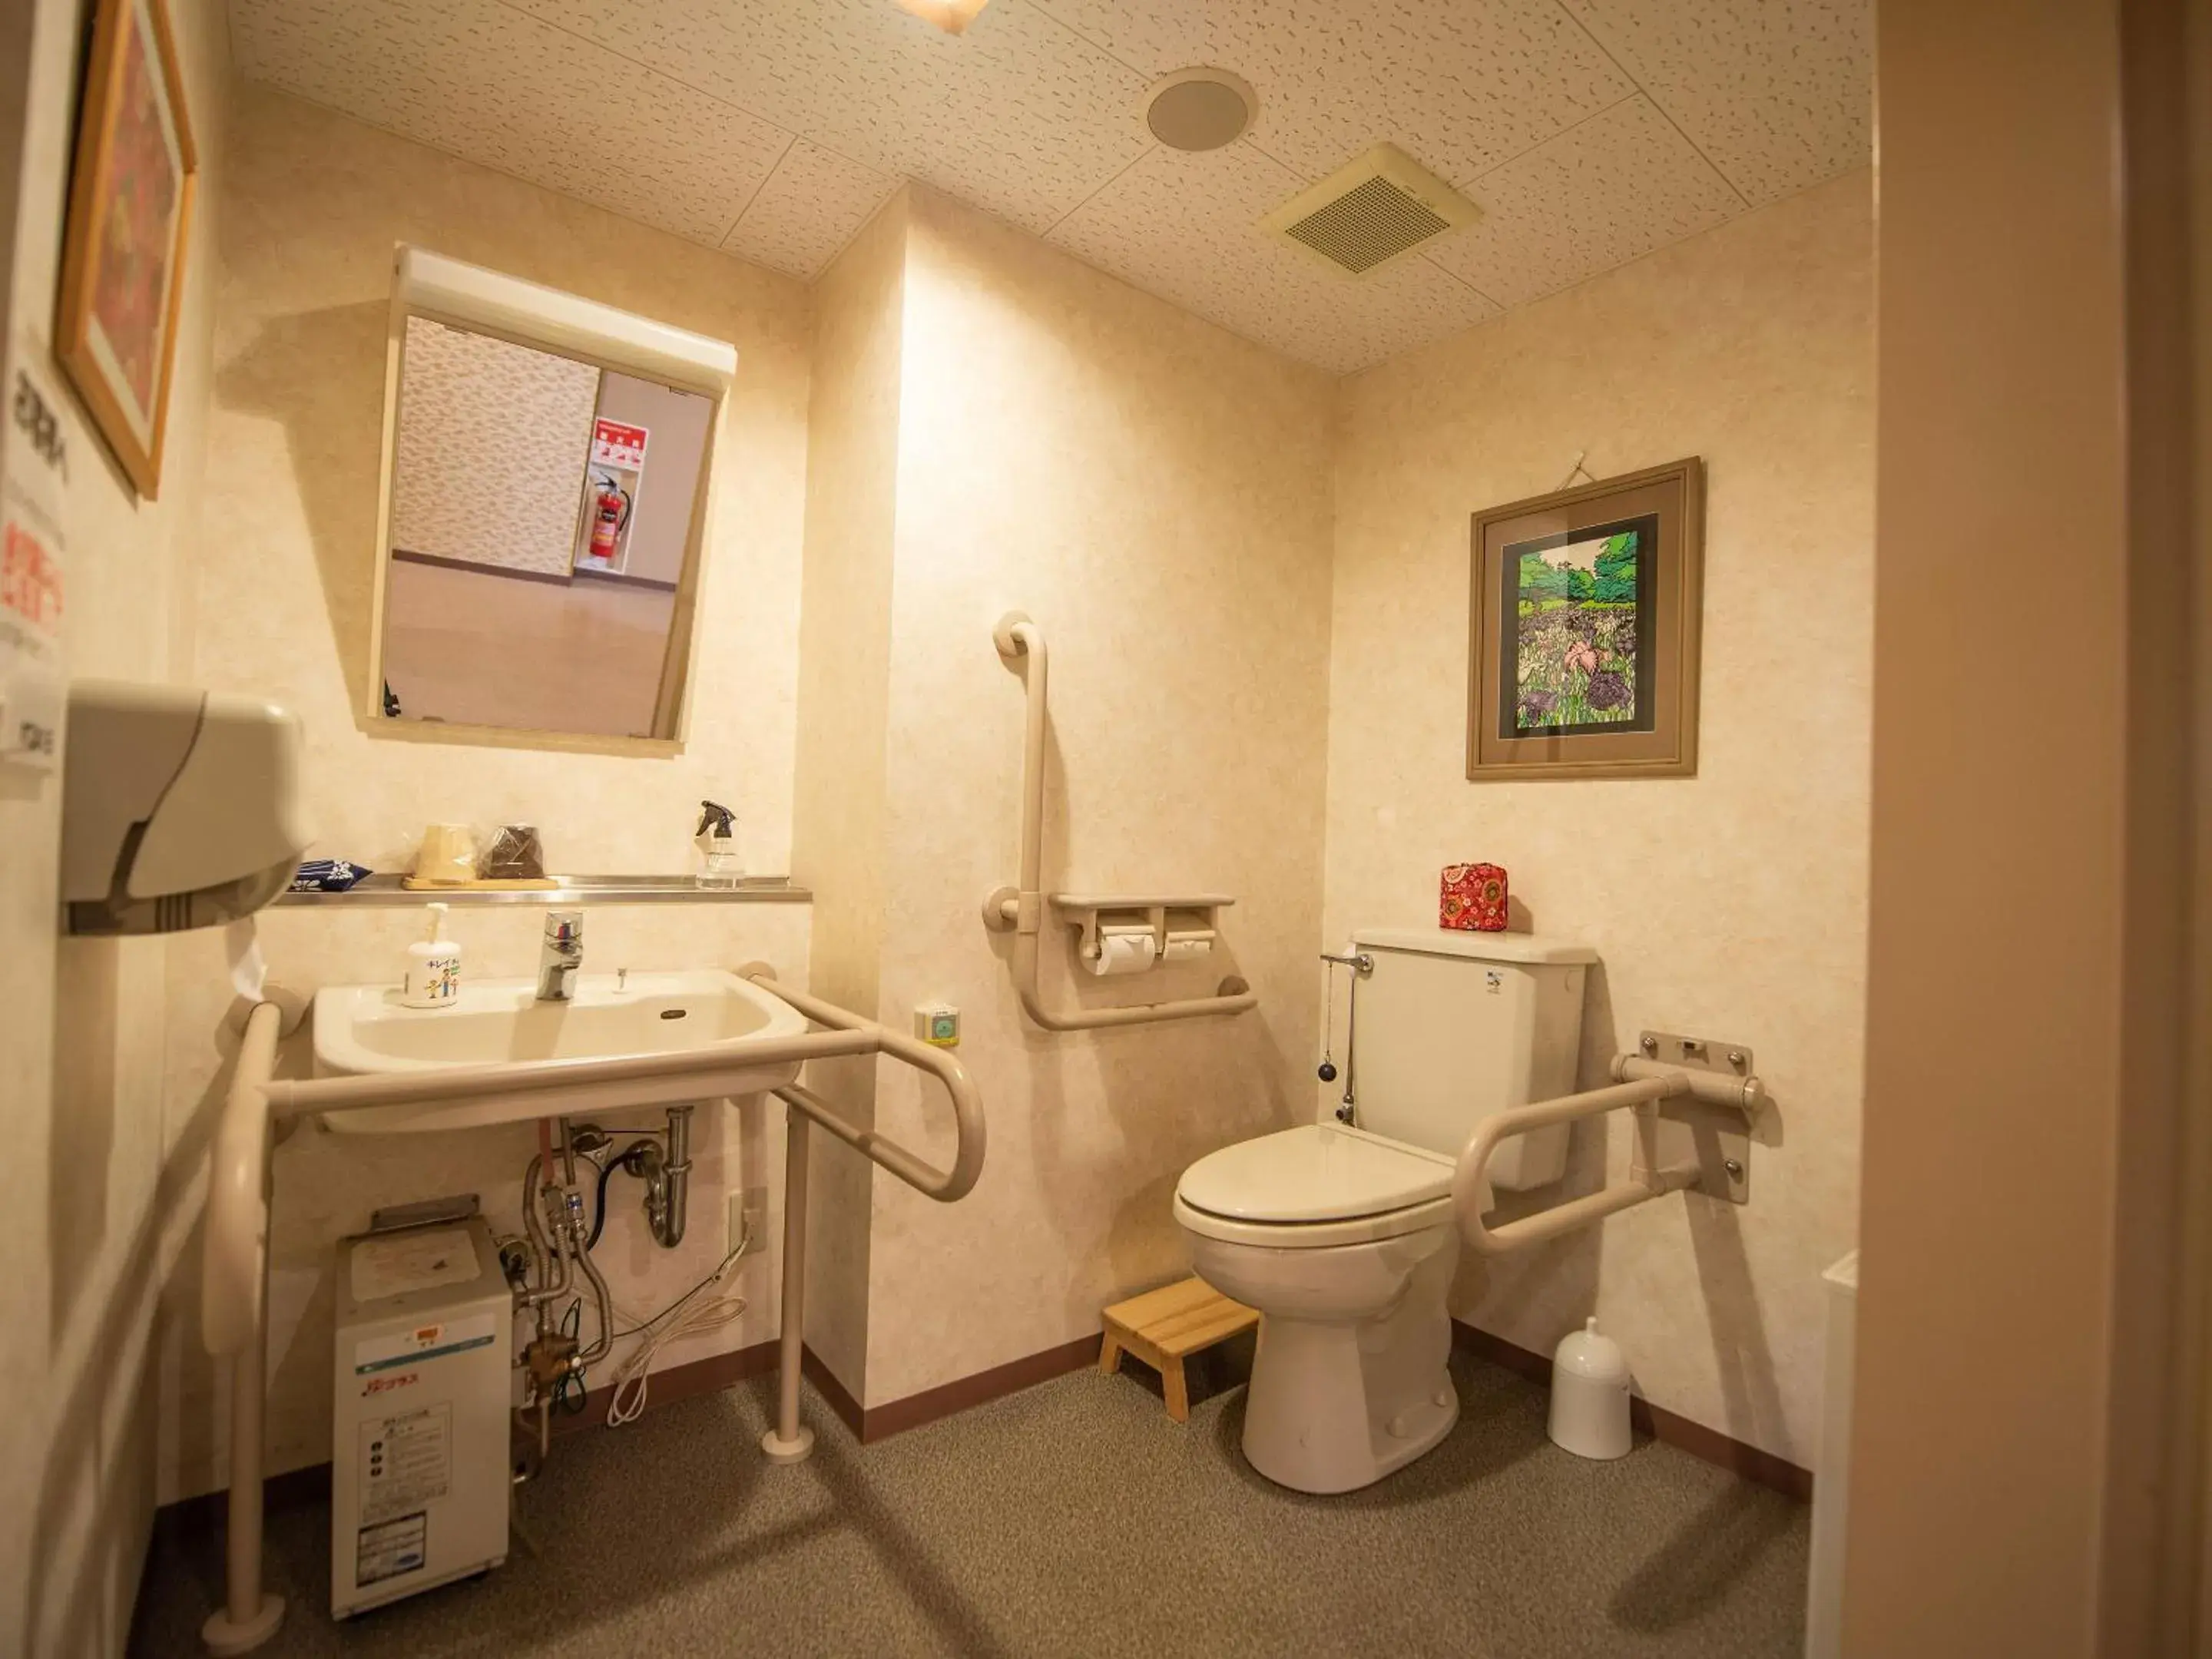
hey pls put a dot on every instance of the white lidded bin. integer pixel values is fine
(1590, 1395)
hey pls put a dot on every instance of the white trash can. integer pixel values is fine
(1590, 1395)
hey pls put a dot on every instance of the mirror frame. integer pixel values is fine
(468, 297)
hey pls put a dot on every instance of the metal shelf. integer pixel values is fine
(385, 889)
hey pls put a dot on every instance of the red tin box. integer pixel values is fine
(1474, 899)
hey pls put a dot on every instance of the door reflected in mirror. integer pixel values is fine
(543, 535)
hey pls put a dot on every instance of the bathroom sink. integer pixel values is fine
(365, 1028)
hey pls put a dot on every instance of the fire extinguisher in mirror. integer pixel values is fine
(610, 505)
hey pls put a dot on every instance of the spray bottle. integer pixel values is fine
(717, 842)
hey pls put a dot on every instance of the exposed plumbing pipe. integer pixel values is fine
(668, 1179)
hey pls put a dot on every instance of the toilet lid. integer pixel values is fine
(1318, 1172)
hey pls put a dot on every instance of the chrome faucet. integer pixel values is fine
(561, 956)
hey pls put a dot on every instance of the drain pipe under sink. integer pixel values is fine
(668, 1180)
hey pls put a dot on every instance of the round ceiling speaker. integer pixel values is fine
(1200, 108)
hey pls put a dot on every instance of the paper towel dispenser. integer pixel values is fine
(180, 808)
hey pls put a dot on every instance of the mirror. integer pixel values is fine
(543, 520)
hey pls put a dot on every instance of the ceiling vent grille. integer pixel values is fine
(1379, 209)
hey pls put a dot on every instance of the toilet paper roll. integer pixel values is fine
(1187, 944)
(1129, 952)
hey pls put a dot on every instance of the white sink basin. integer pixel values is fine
(364, 1028)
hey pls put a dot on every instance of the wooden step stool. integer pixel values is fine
(1163, 1326)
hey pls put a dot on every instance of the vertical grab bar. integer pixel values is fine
(235, 1321)
(1017, 635)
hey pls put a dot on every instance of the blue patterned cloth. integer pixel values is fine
(327, 876)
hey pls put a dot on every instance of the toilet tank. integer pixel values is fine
(1452, 1027)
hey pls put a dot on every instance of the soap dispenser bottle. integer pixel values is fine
(717, 842)
(434, 967)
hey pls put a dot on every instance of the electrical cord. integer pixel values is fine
(606, 1173)
(680, 1319)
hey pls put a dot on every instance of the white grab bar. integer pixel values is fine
(235, 1321)
(1643, 1084)
(789, 1440)
(234, 1264)
(1023, 909)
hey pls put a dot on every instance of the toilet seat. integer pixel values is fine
(1318, 1185)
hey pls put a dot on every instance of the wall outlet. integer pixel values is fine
(748, 1220)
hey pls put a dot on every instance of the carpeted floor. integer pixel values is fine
(1073, 1519)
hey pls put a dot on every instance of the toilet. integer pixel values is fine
(1342, 1235)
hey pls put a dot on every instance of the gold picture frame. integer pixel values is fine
(1584, 636)
(129, 228)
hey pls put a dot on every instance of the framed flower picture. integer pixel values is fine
(1583, 656)
(130, 216)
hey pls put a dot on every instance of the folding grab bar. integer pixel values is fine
(1643, 1084)
(234, 1264)
(1022, 908)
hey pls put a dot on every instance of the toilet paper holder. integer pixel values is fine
(1183, 927)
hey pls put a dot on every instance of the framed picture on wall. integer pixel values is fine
(1582, 650)
(129, 217)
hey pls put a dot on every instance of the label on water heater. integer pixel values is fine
(388, 1550)
(406, 1461)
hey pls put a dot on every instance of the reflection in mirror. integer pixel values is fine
(543, 534)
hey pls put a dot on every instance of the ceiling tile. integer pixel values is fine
(1778, 94)
(1017, 115)
(1461, 84)
(1186, 228)
(1617, 186)
(808, 209)
(478, 79)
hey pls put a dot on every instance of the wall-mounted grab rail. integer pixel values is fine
(1022, 909)
(789, 1440)
(235, 1321)
(234, 1266)
(1643, 1084)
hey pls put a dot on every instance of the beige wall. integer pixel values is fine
(838, 819)
(2023, 1016)
(1156, 494)
(320, 200)
(317, 202)
(96, 1213)
(487, 461)
(1731, 904)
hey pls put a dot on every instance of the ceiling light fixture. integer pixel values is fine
(950, 15)
(1200, 109)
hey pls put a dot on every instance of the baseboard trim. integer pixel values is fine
(839, 1398)
(586, 573)
(685, 1381)
(208, 1511)
(298, 1488)
(1752, 1463)
(896, 1416)
(558, 578)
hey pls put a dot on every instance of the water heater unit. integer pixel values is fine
(419, 1471)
